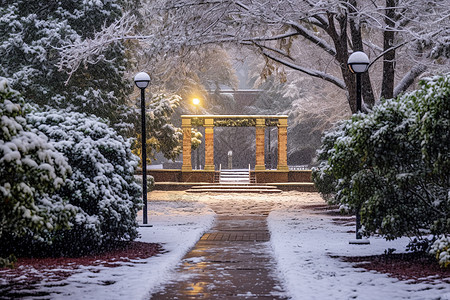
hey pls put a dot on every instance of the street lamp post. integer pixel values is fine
(358, 63)
(142, 80)
(196, 103)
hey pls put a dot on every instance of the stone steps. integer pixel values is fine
(235, 176)
(234, 181)
(234, 188)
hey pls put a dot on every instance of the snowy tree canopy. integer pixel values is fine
(282, 30)
(31, 32)
(31, 35)
(30, 170)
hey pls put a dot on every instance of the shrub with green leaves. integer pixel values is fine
(30, 170)
(394, 163)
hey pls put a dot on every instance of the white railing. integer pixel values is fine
(299, 168)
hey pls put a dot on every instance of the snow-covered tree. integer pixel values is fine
(192, 74)
(162, 135)
(102, 185)
(287, 32)
(31, 32)
(393, 163)
(30, 171)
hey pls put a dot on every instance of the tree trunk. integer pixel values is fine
(387, 87)
(340, 44)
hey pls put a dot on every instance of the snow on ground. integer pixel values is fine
(304, 242)
(177, 225)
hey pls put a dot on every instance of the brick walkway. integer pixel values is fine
(231, 261)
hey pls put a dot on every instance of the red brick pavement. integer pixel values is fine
(231, 261)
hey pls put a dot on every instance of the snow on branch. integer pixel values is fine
(315, 73)
(279, 51)
(409, 78)
(275, 37)
(180, 4)
(91, 51)
(311, 36)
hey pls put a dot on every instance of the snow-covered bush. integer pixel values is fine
(196, 138)
(150, 181)
(30, 170)
(102, 184)
(394, 163)
(432, 128)
(441, 249)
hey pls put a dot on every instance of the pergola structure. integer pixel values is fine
(260, 122)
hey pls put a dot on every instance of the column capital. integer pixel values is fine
(260, 122)
(209, 122)
(186, 122)
(282, 122)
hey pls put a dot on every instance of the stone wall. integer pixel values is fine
(262, 176)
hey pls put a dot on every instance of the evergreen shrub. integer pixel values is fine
(31, 169)
(394, 163)
(102, 185)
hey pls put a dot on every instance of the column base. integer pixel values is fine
(209, 168)
(260, 167)
(186, 168)
(283, 168)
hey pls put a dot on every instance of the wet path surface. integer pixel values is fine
(231, 261)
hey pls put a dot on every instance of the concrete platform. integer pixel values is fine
(184, 186)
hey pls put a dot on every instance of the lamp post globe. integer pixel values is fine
(358, 62)
(142, 80)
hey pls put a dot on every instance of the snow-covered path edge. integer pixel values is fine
(164, 268)
(304, 243)
(177, 226)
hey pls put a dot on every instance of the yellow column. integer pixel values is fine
(260, 130)
(282, 144)
(186, 127)
(209, 144)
